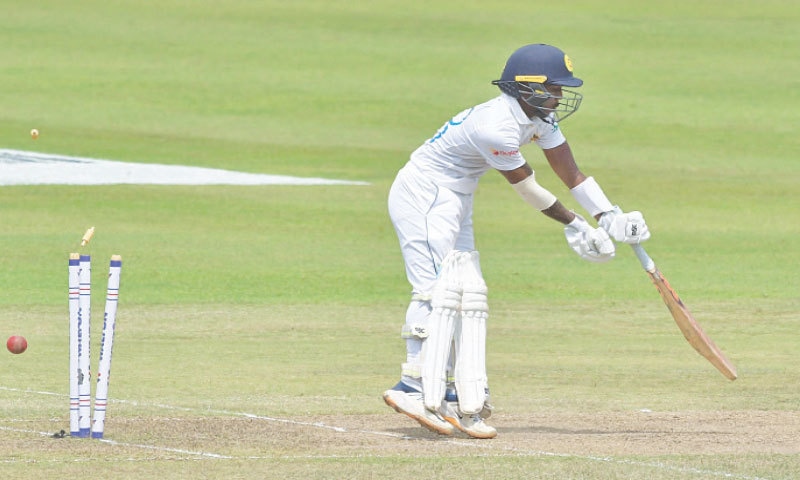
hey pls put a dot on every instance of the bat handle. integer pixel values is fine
(647, 262)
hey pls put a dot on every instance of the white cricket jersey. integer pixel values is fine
(485, 136)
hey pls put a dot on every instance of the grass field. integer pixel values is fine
(258, 326)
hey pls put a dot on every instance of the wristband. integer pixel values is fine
(591, 197)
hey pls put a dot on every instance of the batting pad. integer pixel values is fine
(446, 303)
(470, 337)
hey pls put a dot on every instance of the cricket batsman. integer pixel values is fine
(443, 383)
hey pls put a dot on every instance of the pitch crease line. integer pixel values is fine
(130, 445)
(484, 446)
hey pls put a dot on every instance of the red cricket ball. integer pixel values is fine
(16, 344)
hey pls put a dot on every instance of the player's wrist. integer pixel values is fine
(579, 223)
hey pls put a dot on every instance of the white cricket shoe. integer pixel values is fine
(408, 401)
(472, 424)
(486, 412)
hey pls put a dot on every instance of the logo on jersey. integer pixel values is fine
(502, 153)
(455, 121)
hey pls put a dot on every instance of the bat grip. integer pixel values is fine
(647, 262)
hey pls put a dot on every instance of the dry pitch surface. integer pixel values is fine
(214, 438)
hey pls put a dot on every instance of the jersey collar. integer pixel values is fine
(516, 110)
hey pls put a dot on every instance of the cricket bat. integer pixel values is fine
(694, 334)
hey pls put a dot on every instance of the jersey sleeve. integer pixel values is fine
(501, 149)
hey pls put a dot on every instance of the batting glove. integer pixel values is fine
(592, 244)
(625, 227)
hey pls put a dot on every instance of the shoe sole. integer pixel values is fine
(483, 436)
(440, 429)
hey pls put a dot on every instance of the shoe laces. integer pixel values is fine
(475, 418)
(416, 396)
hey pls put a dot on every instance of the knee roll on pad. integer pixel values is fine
(414, 331)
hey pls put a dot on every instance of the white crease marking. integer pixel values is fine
(478, 445)
(19, 167)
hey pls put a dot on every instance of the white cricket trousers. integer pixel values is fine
(430, 221)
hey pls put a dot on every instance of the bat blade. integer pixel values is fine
(694, 334)
(691, 330)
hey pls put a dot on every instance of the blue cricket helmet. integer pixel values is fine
(531, 68)
(550, 65)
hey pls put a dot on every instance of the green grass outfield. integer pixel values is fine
(250, 316)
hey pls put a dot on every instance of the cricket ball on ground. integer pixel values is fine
(16, 344)
(34, 134)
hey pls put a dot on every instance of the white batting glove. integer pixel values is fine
(592, 244)
(625, 227)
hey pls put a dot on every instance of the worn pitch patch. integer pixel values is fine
(31, 168)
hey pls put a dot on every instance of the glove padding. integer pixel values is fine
(625, 227)
(592, 244)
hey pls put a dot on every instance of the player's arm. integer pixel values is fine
(623, 227)
(523, 180)
(563, 164)
(590, 243)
